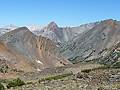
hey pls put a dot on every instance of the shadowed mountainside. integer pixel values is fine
(94, 43)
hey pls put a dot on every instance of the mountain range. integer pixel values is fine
(81, 43)
(53, 31)
(50, 55)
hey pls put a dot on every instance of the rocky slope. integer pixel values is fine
(94, 43)
(95, 80)
(61, 34)
(60, 79)
(53, 31)
(23, 50)
(112, 56)
(34, 58)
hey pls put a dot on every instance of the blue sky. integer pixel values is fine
(63, 12)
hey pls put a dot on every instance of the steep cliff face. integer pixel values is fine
(26, 51)
(93, 43)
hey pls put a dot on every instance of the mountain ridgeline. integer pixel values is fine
(61, 34)
(37, 48)
(86, 57)
(25, 51)
(93, 44)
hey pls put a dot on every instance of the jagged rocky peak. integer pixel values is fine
(52, 26)
(109, 22)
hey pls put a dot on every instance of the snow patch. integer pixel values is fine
(38, 70)
(57, 46)
(38, 61)
(35, 27)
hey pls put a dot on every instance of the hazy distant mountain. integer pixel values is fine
(94, 43)
(35, 27)
(7, 28)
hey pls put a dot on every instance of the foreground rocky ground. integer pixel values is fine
(86, 77)
(95, 80)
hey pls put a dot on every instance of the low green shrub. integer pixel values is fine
(116, 65)
(93, 69)
(1, 87)
(116, 86)
(15, 82)
(86, 70)
(29, 82)
(100, 88)
(3, 80)
(55, 77)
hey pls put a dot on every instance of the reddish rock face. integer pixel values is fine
(26, 51)
(52, 26)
